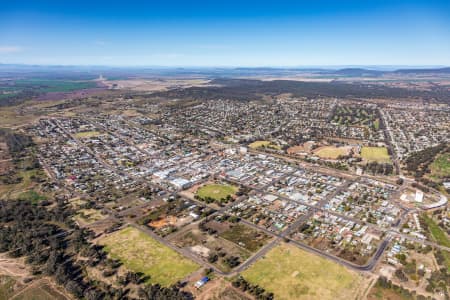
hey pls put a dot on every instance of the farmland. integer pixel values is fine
(378, 154)
(47, 86)
(291, 273)
(141, 253)
(216, 191)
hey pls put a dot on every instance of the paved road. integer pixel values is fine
(277, 236)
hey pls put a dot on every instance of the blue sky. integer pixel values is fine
(225, 33)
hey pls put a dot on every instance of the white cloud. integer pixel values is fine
(10, 49)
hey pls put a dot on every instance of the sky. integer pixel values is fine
(225, 33)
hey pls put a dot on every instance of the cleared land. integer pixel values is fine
(246, 237)
(378, 154)
(86, 134)
(88, 216)
(141, 253)
(265, 144)
(332, 152)
(291, 273)
(216, 191)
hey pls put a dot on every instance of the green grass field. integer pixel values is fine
(441, 166)
(378, 154)
(439, 236)
(141, 253)
(291, 273)
(216, 191)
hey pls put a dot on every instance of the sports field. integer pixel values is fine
(216, 191)
(141, 253)
(291, 273)
(378, 154)
(331, 152)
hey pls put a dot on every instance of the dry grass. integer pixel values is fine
(291, 273)
(332, 152)
(141, 253)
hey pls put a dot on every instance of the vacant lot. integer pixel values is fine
(378, 154)
(86, 134)
(88, 216)
(332, 152)
(246, 237)
(216, 191)
(291, 273)
(265, 144)
(441, 166)
(141, 253)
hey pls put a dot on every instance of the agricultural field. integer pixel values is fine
(216, 191)
(440, 167)
(140, 253)
(378, 154)
(263, 144)
(291, 273)
(47, 86)
(332, 152)
(245, 237)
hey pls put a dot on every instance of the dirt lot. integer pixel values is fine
(219, 289)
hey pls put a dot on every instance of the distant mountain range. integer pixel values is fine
(214, 72)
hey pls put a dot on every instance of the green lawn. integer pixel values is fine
(216, 191)
(441, 166)
(291, 273)
(438, 234)
(378, 154)
(141, 253)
